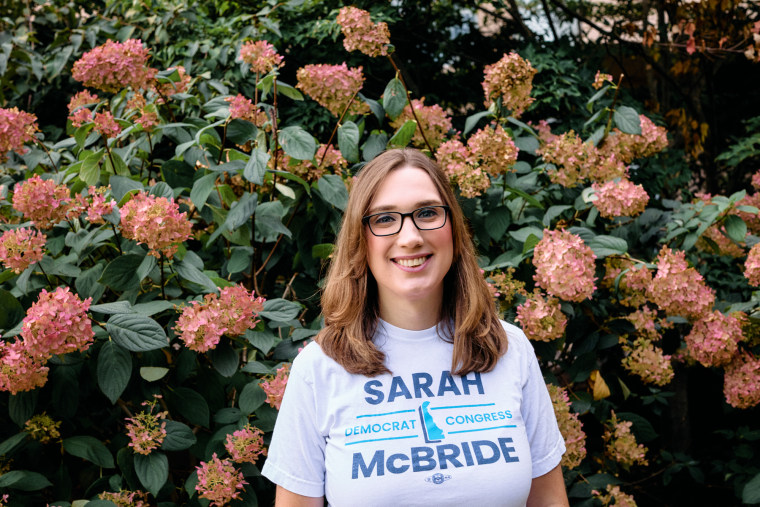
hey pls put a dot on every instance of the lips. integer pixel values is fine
(412, 262)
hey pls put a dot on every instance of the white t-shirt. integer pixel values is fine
(418, 436)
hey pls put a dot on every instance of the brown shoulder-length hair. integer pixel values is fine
(349, 297)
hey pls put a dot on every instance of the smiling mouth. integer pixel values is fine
(412, 263)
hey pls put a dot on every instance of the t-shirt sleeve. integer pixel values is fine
(296, 456)
(546, 443)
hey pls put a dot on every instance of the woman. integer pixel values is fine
(414, 393)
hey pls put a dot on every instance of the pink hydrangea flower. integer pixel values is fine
(312, 171)
(615, 497)
(494, 149)
(621, 444)
(752, 266)
(541, 318)
(714, 339)
(246, 445)
(260, 55)
(20, 248)
(114, 66)
(679, 289)
(155, 221)
(756, 180)
(460, 165)
(80, 117)
(362, 34)
(98, 205)
(628, 147)
(201, 325)
(577, 161)
(741, 384)
(570, 427)
(725, 246)
(647, 361)
(169, 89)
(564, 266)
(600, 79)
(275, 387)
(146, 115)
(45, 203)
(751, 219)
(78, 113)
(146, 430)
(332, 86)
(242, 108)
(126, 498)
(633, 285)
(510, 79)
(645, 322)
(219, 481)
(620, 198)
(433, 119)
(19, 370)
(106, 125)
(16, 128)
(57, 323)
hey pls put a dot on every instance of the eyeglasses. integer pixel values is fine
(389, 223)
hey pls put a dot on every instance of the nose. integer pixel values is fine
(409, 235)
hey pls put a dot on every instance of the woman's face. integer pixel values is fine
(409, 267)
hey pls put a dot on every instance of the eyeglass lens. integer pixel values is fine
(433, 217)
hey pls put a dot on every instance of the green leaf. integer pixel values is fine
(374, 145)
(751, 491)
(178, 437)
(112, 308)
(642, 428)
(89, 171)
(297, 143)
(136, 332)
(80, 136)
(375, 106)
(522, 234)
(473, 120)
(394, 98)
(497, 221)
(114, 370)
(251, 397)
(403, 135)
(187, 271)
(280, 310)
(24, 480)
(348, 141)
(322, 250)
(256, 167)
(121, 273)
(239, 261)
(531, 200)
(334, 191)
(607, 245)
(224, 359)
(241, 212)
(202, 189)
(191, 405)
(262, 340)
(10, 443)
(89, 448)
(11, 311)
(627, 120)
(152, 470)
(288, 91)
(553, 212)
(153, 373)
(121, 186)
(21, 406)
(736, 229)
(117, 166)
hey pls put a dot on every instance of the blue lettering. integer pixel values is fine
(377, 461)
(391, 466)
(422, 459)
(449, 420)
(466, 383)
(503, 441)
(404, 425)
(508, 413)
(487, 417)
(482, 460)
(447, 384)
(376, 395)
(366, 429)
(398, 388)
(467, 454)
(376, 428)
(443, 456)
(420, 386)
(386, 426)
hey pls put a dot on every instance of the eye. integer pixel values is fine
(383, 220)
(427, 214)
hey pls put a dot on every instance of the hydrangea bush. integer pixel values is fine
(170, 246)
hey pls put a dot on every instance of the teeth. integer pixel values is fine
(411, 263)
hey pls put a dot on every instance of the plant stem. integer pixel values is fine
(47, 152)
(118, 241)
(224, 139)
(163, 291)
(608, 127)
(108, 152)
(335, 129)
(50, 284)
(411, 107)
(263, 265)
(274, 121)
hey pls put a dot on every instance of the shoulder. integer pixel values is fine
(516, 338)
(312, 362)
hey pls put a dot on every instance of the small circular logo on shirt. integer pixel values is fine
(437, 478)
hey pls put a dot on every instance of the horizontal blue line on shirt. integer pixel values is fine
(386, 413)
(483, 429)
(379, 439)
(463, 406)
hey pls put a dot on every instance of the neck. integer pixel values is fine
(412, 315)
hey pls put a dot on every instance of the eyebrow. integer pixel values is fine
(420, 204)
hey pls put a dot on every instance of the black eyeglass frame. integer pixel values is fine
(446, 211)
